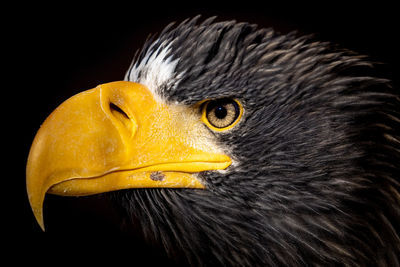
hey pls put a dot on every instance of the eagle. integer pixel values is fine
(235, 145)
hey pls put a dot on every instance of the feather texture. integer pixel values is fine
(317, 153)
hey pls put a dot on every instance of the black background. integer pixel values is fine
(54, 50)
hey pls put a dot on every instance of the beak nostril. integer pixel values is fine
(117, 110)
(123, 117)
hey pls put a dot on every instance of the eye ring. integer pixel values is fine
(221, 114)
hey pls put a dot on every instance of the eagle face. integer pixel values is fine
(304, 150)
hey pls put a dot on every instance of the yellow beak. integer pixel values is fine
(116, 136)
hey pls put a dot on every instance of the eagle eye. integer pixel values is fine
(221, 114)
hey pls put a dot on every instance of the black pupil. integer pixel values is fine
(220, 112)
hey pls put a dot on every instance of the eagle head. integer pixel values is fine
(235, 145)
